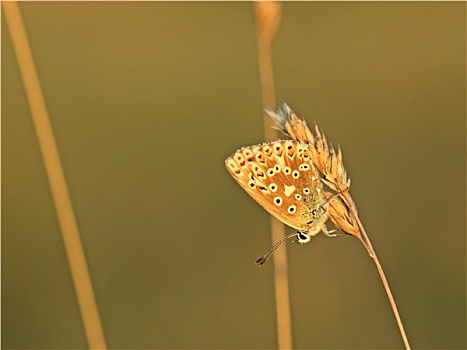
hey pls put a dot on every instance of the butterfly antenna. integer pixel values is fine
(266, 256)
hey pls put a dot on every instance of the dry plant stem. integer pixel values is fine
(74, 249)
(363, 237)
(367, 244)
(267, 20)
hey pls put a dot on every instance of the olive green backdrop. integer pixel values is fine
(147, 100)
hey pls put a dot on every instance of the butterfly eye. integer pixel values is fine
(303, 237)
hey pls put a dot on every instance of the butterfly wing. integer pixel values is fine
(281, 177)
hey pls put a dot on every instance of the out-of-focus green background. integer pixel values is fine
(147, 100)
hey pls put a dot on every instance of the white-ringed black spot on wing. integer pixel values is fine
(306, 190)
(271, 172)
(292, 209)
(277, 201)
(277, 168)
(273, 187)
(304, 167)
(298, 196)
(295, 174)
(251, 184)
(287, 170)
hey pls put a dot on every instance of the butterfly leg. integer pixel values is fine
(329, 233)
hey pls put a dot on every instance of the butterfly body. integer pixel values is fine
(281, 177)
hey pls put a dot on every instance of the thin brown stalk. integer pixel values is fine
(267, 20)
(366, 242)
(342, 209)
(56, 177)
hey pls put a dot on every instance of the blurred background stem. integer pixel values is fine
(56, 178)
(267, 16)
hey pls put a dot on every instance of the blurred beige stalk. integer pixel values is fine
(268, 15)
(56, 177)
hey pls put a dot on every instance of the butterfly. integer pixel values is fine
(281, 177)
